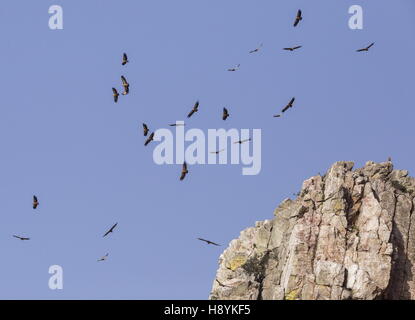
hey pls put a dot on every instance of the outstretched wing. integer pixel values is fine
(297, 18)
(124, 59)
(191, 113)
(150, 138)
(145, 129)
(115, 94)
(184, 171)
(124, 81)
(225, 114)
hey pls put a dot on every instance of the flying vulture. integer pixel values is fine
(149, 139)
(110, 230)
(184, 171)
(289, 105)
(103, 258)
(277, 116)
(235, 68)
(221, 284)
(367, 48)
(145, 129)
(292, 48)
(242, 141)
(217, 152)
(115, 94)
(298, 18)
(35, 202)
(208, 242)
(21, 238)
(225, 114)
(257, 49)
(124, 59)
(195, 109)
(176, 124)
(126, 85)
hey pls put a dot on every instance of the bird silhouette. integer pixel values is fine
(257, 49)
(292, 48)
(35, 202)
(195, 109)
(234, 69)
(21, 238)
(176, 124)
(110, 230)
(103, 258)
(208, 241)
(115, 94)
(289, 105)
(184, 171)
(218, 151)
(225, 114)
(367, 48)
(221, 284)
(124, 59)
(126, 85)
(242, 141)
(149, 139)
(145, 129)
(298, 18)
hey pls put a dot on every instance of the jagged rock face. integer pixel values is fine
(348, 235)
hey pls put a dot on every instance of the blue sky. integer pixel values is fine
(63, 139)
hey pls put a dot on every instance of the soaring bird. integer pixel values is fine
(145, 129)
(195, 109)
(176, 124)
(208, 242)
(115, 94)
(221, 284)
(225, 114)
(103, 258)
(124, 59)
(217, 152)
(35, 202)
(110, 230)
(367, 48)
(292, 48)
(257, 49)
(298, 18)
(242, 141)
(184, 171)
(126, 85)
(277, 116)
(235, 68)
(149, 139)
(21, 238)
(289, 105)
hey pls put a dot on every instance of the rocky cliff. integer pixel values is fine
(348, 235)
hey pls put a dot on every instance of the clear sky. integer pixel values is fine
(63, 138)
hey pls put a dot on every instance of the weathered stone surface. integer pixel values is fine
(348, 235)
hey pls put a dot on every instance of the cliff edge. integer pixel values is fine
(348, 235)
